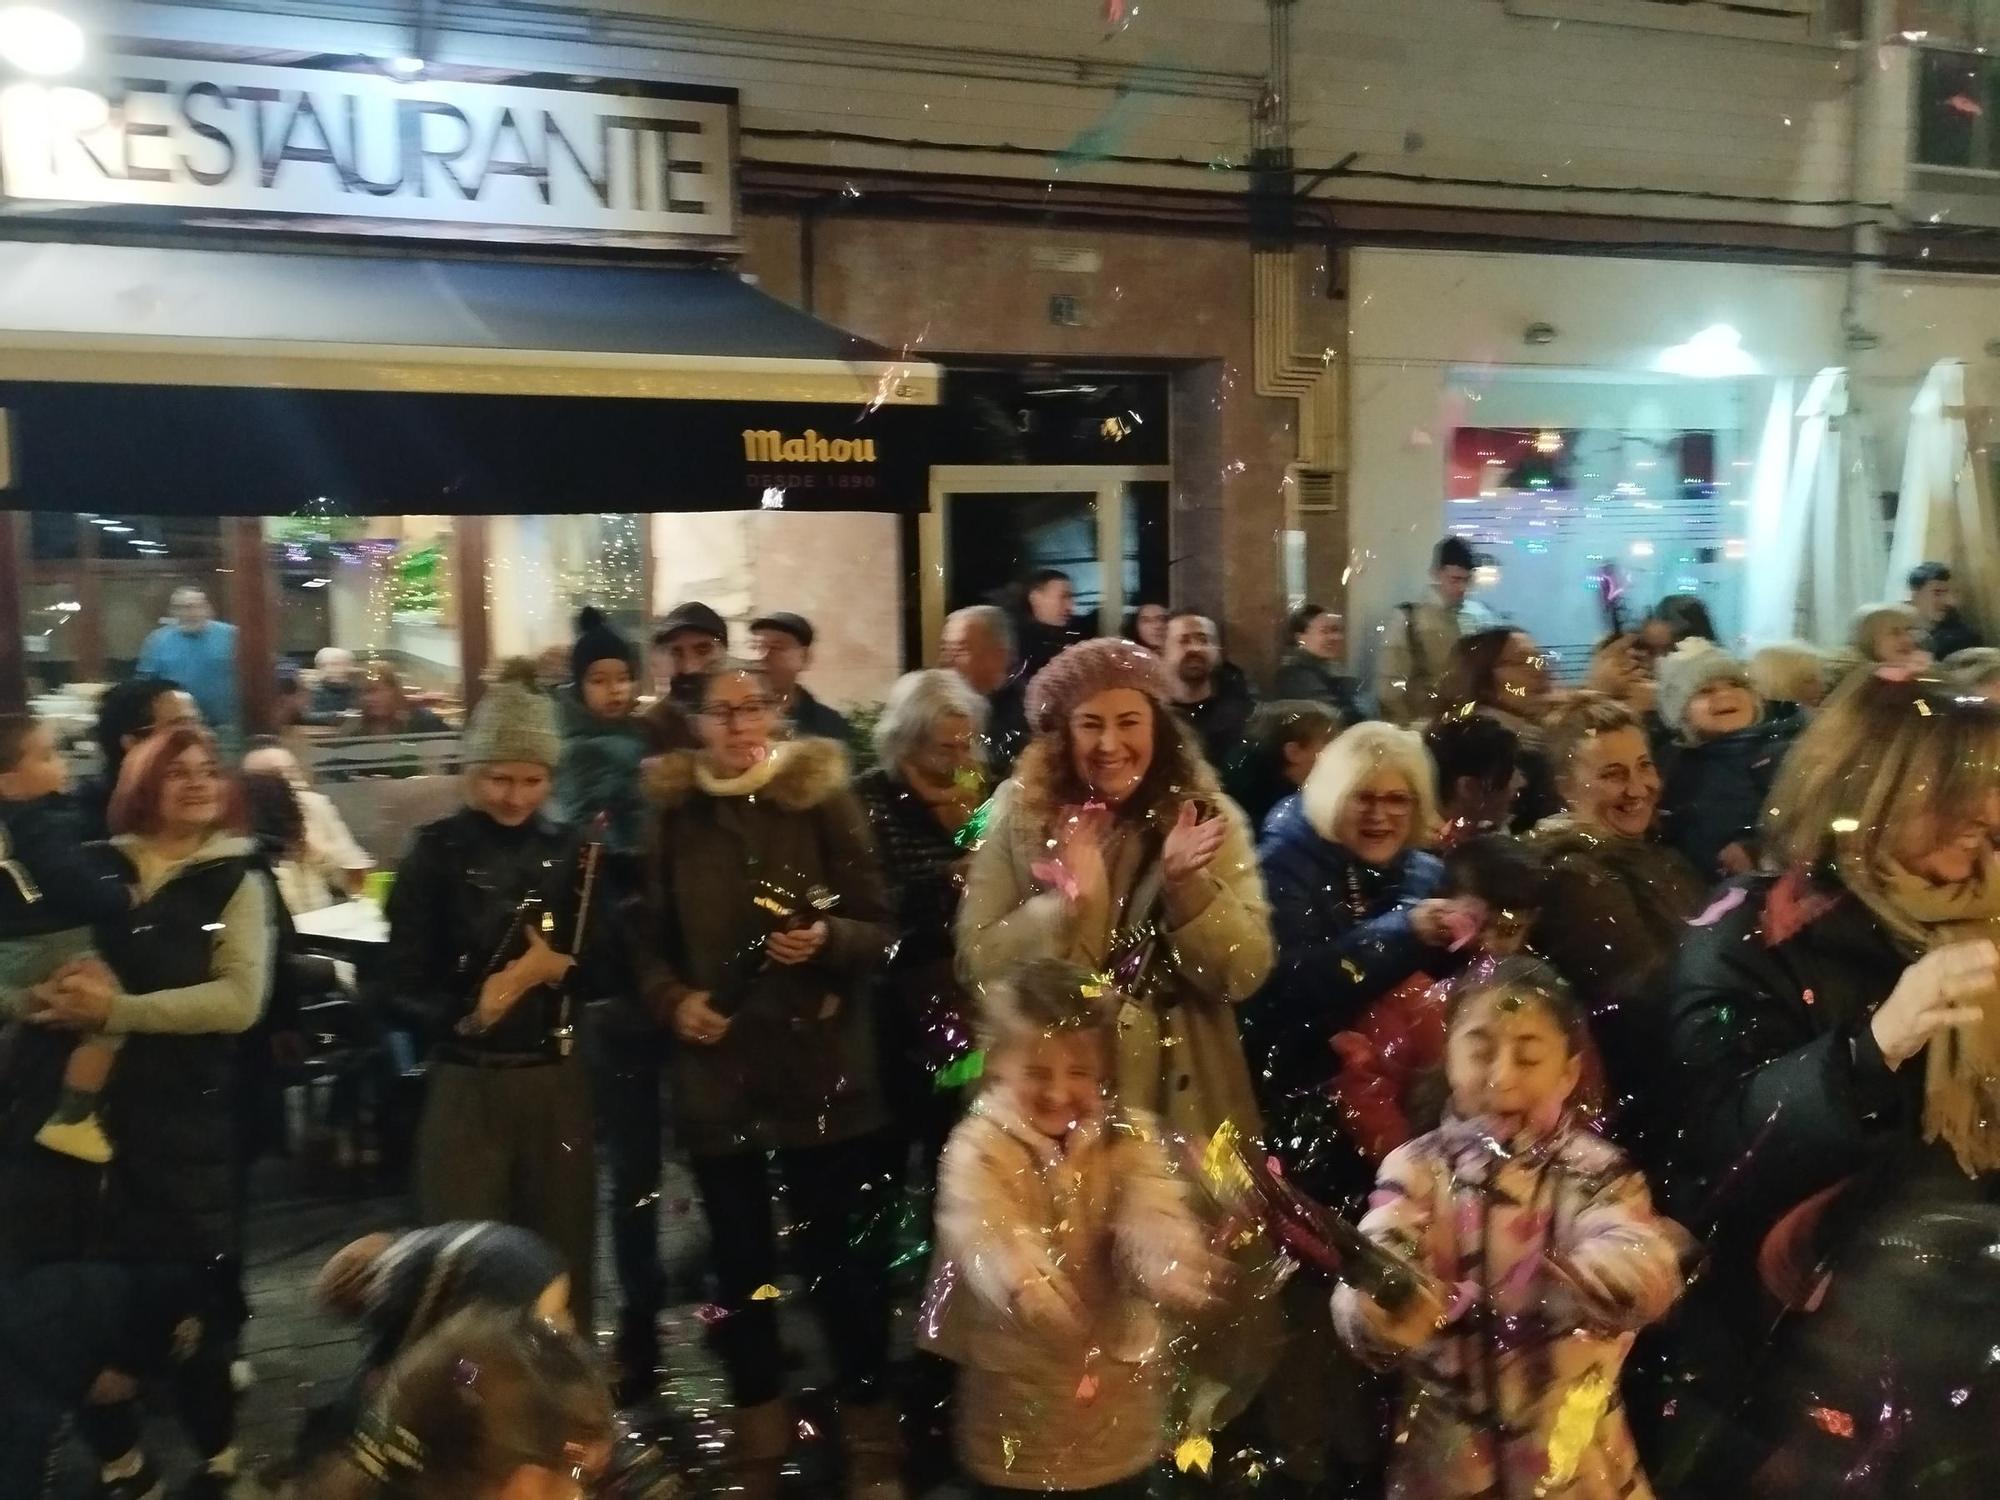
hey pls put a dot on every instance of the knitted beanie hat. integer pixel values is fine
(596, 641)
(1690, 667)
(513, 722)
(1088, 668)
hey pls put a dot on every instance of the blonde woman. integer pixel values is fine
(1354, 914)
(1834, 1033)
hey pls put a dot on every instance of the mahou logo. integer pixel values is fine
(769, 446)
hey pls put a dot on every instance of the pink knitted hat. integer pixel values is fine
(1088, 668)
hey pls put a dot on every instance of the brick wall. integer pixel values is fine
(968, 289)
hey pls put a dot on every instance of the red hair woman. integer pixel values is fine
(178, 980)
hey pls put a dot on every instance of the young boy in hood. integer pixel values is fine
(604, 739)
(1726, 750)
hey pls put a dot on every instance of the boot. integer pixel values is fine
(873, 1438)
(763, 1438)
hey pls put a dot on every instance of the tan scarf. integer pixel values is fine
(952, 804)
(1962, 1069)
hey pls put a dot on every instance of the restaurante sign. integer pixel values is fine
(331, 144)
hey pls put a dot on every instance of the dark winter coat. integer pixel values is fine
(597, 784)
(812, 719)
(1303, 675)
(1616, 911)
(1344, 938)
(1006, 732)
(1220, 719)
(1951, 635)
(68, 882)
(170, 1106)
(1782, 1094)
(1716, 791)
(454, 918)
(926, 1012)
(797, 1067)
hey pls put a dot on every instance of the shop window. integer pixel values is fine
(98, 584)
(542, 570)
(1661, 507)
(1958, 104)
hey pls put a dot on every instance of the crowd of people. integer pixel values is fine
(1624, 1055)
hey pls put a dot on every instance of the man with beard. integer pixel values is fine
(1214, 704)
(688, 641)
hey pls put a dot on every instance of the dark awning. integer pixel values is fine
(364, 321)
(139, 380)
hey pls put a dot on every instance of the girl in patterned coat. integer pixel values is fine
(1544, 1238)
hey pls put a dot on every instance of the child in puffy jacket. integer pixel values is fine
(53, 887)
(1060, 1228)
(1545, 1236)
(1724, 752)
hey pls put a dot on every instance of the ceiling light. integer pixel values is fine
(1715, 353)
(39, 41)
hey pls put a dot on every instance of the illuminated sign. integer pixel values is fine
(525, 160)
(766, 446)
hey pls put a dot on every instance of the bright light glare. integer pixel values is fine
(406, 67)
(1713, 354)
(38, 41)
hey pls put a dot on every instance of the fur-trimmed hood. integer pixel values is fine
(809, 771)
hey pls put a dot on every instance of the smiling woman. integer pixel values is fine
(1618, 899)
(1113, 847)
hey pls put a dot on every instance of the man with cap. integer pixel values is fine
(690, 640)
(784, 645)
(484, 926)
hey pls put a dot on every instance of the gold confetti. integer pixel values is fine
(1576, 1423)
(766, 1293)
(1194, 1453)
(1009, 1447)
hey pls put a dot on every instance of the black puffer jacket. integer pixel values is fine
(453, 920)
(1782, 1094)
(170, 1106)
(1716, 791)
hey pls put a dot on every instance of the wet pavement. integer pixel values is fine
(301, 1355)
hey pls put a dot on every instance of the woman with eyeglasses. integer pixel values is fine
(1619, 896)
(769, 919)
(1504, 676)
(1355, 913)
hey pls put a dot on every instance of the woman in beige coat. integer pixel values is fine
(1113, 847)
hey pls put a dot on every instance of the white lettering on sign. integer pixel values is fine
(1067, 262)
(173, 133)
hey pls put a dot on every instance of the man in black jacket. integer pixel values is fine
(784, 644)
(1935, 599)
(1215, 705)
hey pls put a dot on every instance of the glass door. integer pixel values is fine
(989, 528)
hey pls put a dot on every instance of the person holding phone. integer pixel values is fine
(771, 918)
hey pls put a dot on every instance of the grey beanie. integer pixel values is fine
(1690, 667)
(513, 723)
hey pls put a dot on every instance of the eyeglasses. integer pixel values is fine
(1397, 804)
(726, 715)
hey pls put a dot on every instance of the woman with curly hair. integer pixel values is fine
(1113, 847)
